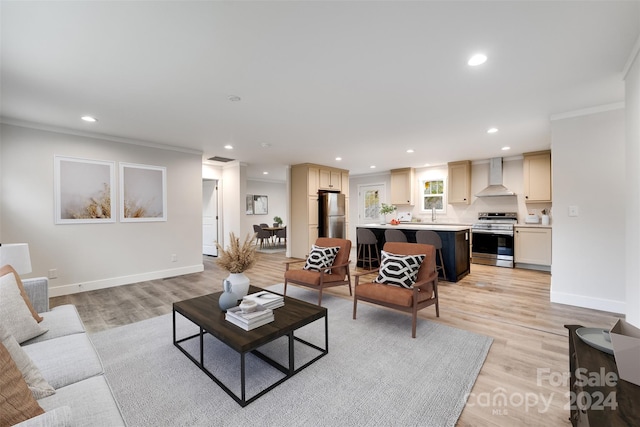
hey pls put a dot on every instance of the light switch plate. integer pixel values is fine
(573, 211)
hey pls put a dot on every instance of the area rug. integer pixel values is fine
(275, 250)
(374, 375)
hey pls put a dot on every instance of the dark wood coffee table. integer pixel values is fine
(206, 314)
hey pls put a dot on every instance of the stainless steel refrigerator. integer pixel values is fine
(331, 215)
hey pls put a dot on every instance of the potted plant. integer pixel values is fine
(277, 220)
(236, 259)
(386, 209)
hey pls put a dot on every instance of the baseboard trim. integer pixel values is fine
(75, 288)
(611, 306)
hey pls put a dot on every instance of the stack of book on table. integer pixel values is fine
(249, 321)
(266, 299)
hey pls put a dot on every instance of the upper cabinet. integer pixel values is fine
(402, 186)
(330, 179)
(537, 176)
(459, 182)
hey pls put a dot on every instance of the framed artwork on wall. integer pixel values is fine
(143, 193)
(84, 191)
(260, 205)
(249, 204)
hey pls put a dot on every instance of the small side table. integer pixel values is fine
(595, 399)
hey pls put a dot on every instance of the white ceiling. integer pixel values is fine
(361, 80)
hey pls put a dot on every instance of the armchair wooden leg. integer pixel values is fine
(320, 297)
(355, 305)
(285, 288)
(413, 325)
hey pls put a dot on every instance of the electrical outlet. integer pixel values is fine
(174, 258)
(53, 273)
(573, 211)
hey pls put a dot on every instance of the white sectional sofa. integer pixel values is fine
(69, 362)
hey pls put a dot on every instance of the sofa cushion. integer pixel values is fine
(60, 321)
(16, 401)
(15, 311)
(37, 384)
(4, 270)
(399, 270)
(65, 360)
(320, 258)
(91, 402)
(311, 277)
(58, 417)
(390, 294)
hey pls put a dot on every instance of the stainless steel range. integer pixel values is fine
(492, 238)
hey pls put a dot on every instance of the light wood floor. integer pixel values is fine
(510, 305)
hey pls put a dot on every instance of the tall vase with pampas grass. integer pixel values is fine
(236, 259)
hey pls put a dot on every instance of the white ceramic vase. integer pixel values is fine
(239, 284)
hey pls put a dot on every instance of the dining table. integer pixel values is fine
(273, 231)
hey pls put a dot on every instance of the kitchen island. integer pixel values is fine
(455, 243)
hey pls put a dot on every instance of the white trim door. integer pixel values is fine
(370, 198)
(209, 217)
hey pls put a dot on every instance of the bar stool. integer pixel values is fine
(395, 236)
(428, 237)
(366, 239)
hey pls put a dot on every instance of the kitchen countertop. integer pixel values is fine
(420, 226)
(525, 225)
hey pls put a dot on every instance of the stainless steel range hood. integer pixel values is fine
(495, 187)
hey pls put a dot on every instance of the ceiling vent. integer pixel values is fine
(221, 159)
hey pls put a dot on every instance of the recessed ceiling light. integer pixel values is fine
(427, 164)
(506, 148)
(372, 166)
(89, 119)
(338, 158)
(234, 98)
(229, 147)
(409, 150)
(477, 59)
(265, 145)
(265, 173)
(492, 130)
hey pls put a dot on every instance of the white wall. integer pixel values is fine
(92, 256)
(589, 172)
(632, 106)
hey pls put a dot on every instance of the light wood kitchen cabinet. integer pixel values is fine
(537, 176)
(314, 181)
(402, 184)
(330, 179)
(459, 182)
(305, 183)
(344, 177)
(532, 245)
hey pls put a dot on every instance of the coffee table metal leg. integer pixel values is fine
(292, 365)
(201, 346)
(242, 380)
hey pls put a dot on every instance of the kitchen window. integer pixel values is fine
(433, 192)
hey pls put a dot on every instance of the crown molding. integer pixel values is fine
(632, 57)
(85, 134)
(587, 111)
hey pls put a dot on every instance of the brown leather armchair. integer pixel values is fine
(339, 271)
(423, 293)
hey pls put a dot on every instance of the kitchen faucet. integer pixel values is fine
(433, 214)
